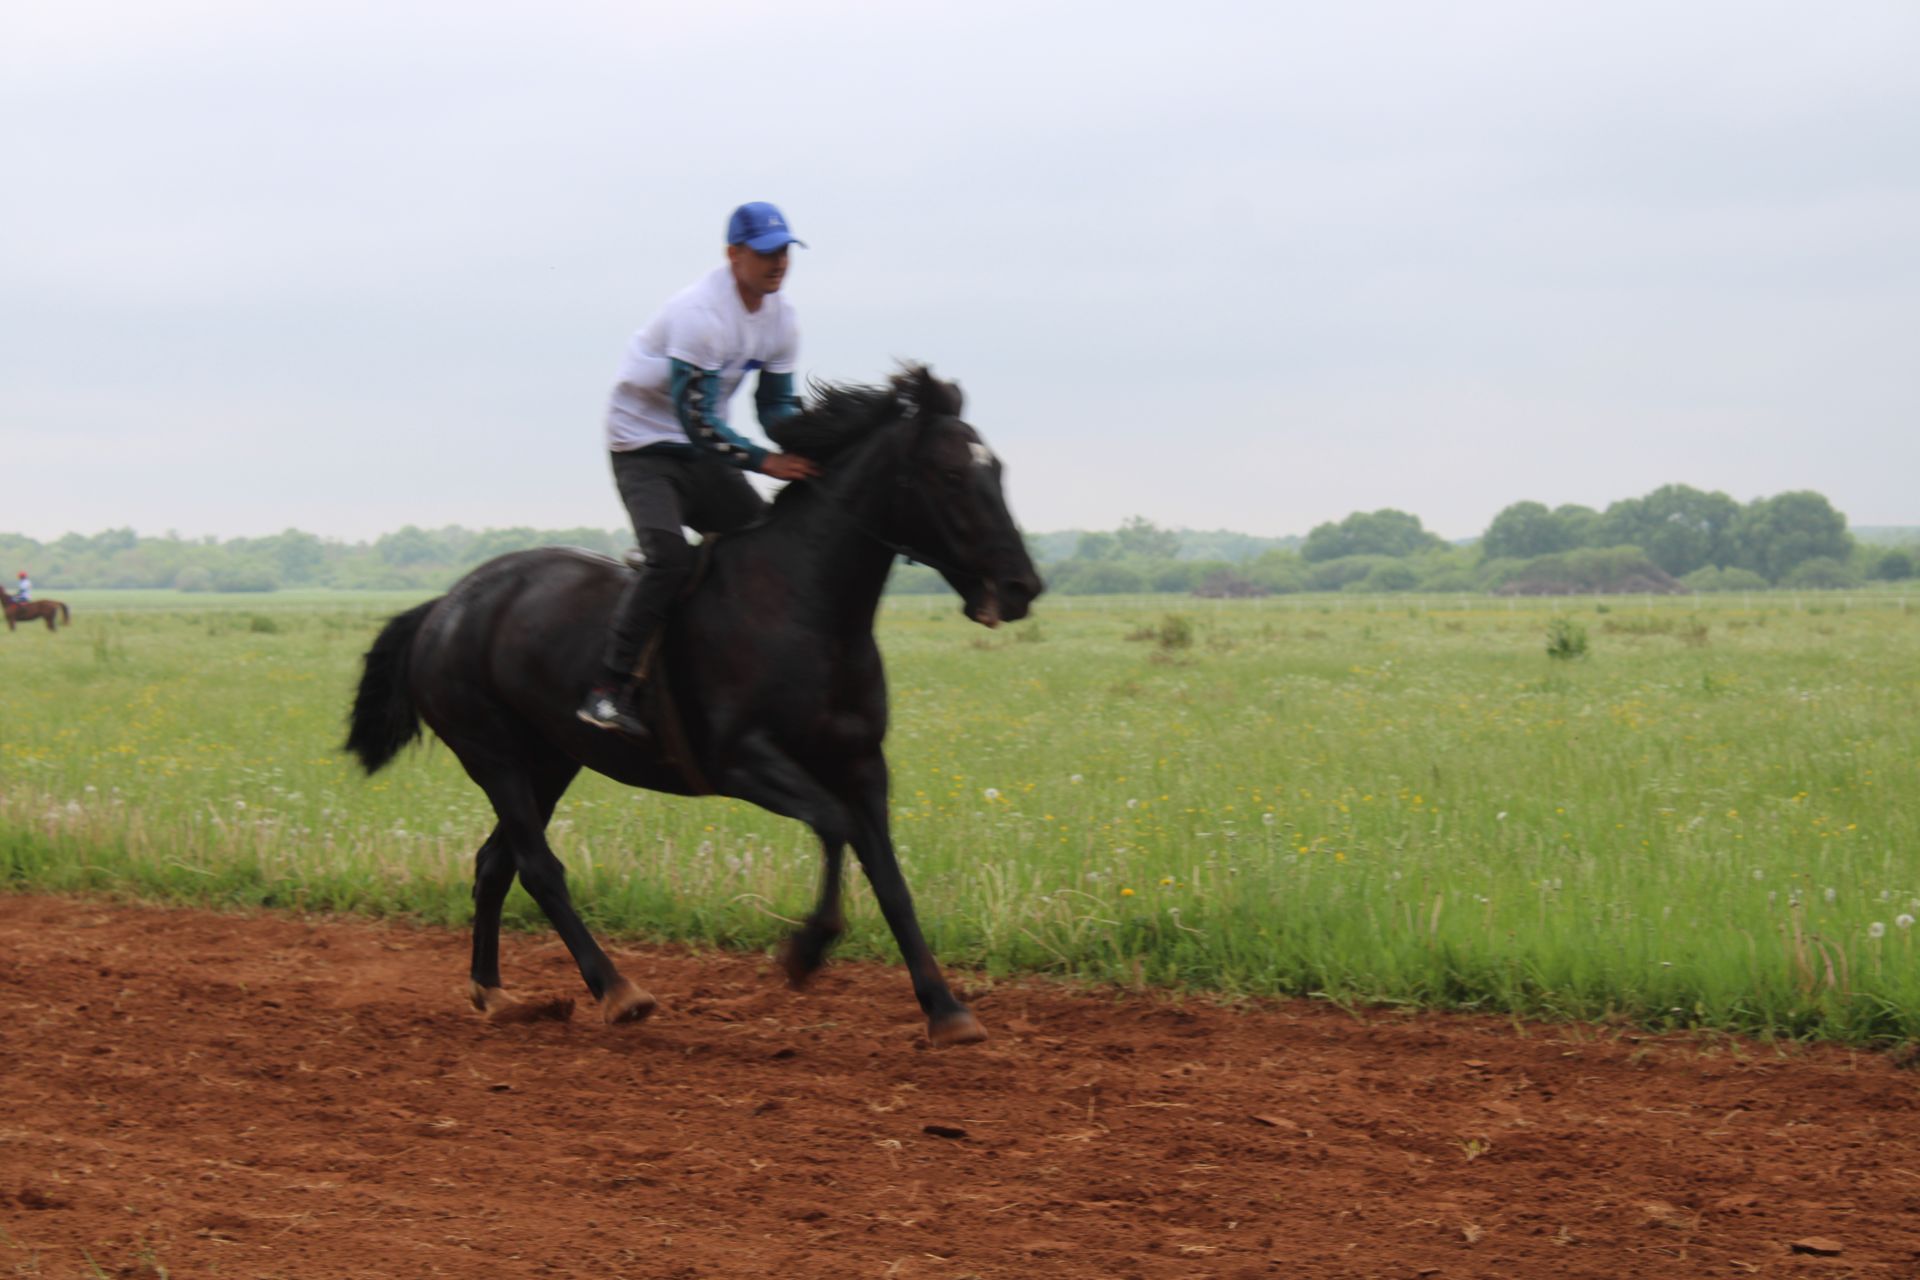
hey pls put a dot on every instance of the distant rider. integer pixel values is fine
(23, 593)
(676, 461)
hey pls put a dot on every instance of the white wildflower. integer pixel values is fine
(1076, 779)
(992, 794)
(1876, 930)
(1903, 921)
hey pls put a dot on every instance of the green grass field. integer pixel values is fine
(1710, 820)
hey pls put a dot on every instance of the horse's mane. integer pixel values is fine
(839, 414)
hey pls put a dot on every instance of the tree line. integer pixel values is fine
(1675, 538)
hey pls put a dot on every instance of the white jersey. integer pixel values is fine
(707, 326)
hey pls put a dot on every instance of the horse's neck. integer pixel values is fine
(838, 568)
(819, 539)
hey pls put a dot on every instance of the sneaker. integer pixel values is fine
(608, 707)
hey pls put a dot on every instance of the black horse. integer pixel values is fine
(768, 685)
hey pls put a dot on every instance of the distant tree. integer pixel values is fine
(244, 574)
(1142, 539)
(1525, 530)
(1277, 570)
(1775, 535)
(1178, 575)
(1108, 579)
(409, 545)
(1581, 523)
(1679, 527)
(1097, 546)
(300, 558)
(1894, 566)
(1385, 532)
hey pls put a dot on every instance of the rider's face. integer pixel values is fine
(758, 273)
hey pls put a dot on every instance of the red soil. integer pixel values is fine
(195, 1094)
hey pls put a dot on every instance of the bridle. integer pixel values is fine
(897, 490)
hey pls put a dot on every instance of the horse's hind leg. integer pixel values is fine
(524, 805)
(493, 872)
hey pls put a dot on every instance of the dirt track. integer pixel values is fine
(276, 1096)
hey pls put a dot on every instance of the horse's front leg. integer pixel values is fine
(806, 950)
(948, 1021)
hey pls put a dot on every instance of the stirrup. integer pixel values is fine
(612, 709)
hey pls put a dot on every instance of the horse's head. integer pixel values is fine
(958, 516)
(926, 483)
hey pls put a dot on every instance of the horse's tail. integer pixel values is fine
(66, 615)
(384, 718)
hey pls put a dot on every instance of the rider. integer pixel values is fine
(23, 594)
(676, 461)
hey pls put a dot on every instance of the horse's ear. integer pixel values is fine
(928, 394)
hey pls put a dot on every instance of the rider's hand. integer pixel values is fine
(789, 466)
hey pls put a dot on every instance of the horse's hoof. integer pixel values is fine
(802, 955)
(955, 1028)
(624, 1002)
(502, 1009)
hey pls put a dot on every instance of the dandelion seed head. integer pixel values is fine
(1903, 921)
(1877, 930)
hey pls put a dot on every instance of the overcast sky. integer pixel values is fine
(355, 265)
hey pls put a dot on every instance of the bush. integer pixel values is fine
(1450, 579)
(1566, 639)
(1822, 573)
(1398, 576)
(1711, 580)
(193, 578)
(245, 577)
(1894, 566)
(1337, 575)
(1174, 634)
(1590, 571)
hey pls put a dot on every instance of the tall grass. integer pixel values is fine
(1710, 821)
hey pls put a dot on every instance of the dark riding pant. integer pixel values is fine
(666, 489)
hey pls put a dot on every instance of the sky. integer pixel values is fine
(349, 266)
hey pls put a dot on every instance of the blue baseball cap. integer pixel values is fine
(760, 227)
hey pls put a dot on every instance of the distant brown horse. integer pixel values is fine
(27, 612)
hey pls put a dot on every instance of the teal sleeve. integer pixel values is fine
(696, 400)
(774, 398)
